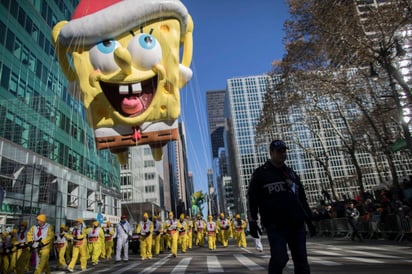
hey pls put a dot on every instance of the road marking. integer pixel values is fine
(155, 266)
(181, 267)
(373, 254)
(246, 250)
(213, 264)
(124, 269)
(363, 260)
(324, 252)
(248, 262)
(329, 253)
(322, 261)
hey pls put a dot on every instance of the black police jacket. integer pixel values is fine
(278, 196)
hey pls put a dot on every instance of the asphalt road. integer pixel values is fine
(335, 256)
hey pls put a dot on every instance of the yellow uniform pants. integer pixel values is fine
(43, 265)
(211, 240)
(224, 237)
(156, 244)
(5, 263)
(27, 263)
(102, 248)
(109, 248)
(172, 242)
(69, 250)
(162, 242)
(13, 260)
(189, 239)
(146, 247)
(95, 249)
(82, 251)
(200, 238)
(231, 232)
(23, 263)
(61, 255)
(183, 241)
(240, 238)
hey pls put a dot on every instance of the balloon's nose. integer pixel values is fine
(123, 60)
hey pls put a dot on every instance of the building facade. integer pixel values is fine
(144, 185)
(215, 102)
(54, 154)
(251, 149)
(244, 100)
(216, 121)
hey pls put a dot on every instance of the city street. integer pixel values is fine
(325, 256)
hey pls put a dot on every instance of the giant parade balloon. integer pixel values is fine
(127, 60)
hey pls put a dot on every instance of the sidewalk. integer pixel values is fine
(379, 241)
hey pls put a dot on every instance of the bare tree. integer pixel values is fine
(329, 34)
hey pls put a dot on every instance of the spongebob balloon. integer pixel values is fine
(129, 58)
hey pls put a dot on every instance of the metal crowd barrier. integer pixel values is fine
(392, 227)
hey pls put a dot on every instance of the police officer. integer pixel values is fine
(276, 193)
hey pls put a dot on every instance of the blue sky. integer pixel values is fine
(232, 38)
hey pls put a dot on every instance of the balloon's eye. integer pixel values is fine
(145, 51)
(101, 56)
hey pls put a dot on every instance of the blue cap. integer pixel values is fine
(277, 144)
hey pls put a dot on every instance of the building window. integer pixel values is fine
(149, 163)
(126, 180)
(5, 77)
(72, 195)
(149, 189)
(127, 195)
(12, 176)
(149, 176)
(147, 151)
(47, 189)
(91, 200)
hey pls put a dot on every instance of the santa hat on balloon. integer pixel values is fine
(97, 20)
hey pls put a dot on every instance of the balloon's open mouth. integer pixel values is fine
(130, 99)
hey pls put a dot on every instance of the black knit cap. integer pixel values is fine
(277, 144)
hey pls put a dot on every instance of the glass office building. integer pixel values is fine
(243, 105)
(48, 162)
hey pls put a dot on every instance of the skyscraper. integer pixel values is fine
(244, 102)
(215, 112)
